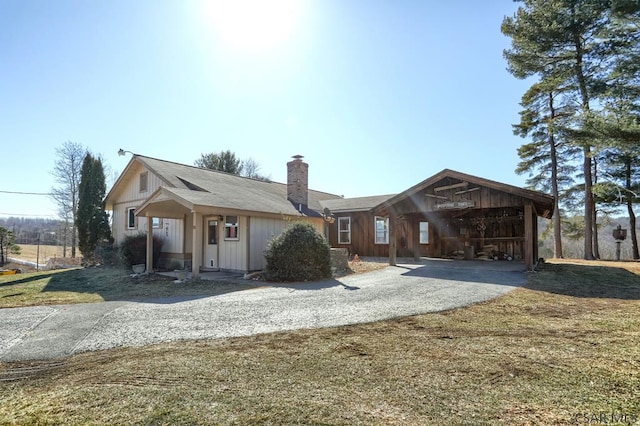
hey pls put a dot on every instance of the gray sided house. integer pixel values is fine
(209, 220)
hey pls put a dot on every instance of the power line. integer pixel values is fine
(25, 193)
(27, 215)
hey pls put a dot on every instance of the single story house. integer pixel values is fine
(211, 220)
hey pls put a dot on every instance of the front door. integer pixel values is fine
(210, 260)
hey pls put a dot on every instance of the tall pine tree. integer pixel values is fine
(548, 159)
(559, 41)
(92, 221)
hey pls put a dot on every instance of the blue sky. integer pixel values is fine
(377, 95)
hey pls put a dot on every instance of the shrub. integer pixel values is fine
(133, 249)
(300, 253)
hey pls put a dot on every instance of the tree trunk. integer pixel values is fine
(632, 225)
(557, 234)
(586, 167)
(632, 214)
(588, 206)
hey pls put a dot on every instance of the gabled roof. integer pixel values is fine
(191, 185)
(354, 204)
(543, 202)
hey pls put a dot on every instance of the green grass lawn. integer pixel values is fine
(97, 285)
(564, 350)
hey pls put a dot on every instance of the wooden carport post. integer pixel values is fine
(149, 245)
(529, 237)
(393, 244)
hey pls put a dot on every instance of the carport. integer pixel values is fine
(465, 216)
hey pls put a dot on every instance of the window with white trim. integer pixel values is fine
(131, 218)
(231, 228)
(344, 230)
(381, 230)
(156, 222)
(424, 232)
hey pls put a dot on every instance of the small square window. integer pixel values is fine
(156, 222)
(231, 228)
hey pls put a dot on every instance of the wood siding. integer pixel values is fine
(130, 196)
(490, 220)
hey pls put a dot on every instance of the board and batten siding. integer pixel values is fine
(264, 229)
(232, 254)
(171, 231)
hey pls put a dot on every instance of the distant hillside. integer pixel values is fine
(573, 248)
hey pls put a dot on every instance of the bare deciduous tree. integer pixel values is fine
(69, 158)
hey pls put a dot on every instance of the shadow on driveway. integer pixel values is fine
(487, 272)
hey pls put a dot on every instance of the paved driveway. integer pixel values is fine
(50, 332)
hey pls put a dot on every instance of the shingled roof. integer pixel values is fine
(195, 186)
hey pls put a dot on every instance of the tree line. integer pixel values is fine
(581, 114)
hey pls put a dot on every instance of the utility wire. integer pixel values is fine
(25, 193)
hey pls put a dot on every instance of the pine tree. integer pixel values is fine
(92, 220)
(560, 41)
(548, 158)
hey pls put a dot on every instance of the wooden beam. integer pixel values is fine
(455, 185)
(439, 197)
(468, 190)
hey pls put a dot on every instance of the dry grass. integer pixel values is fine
(43, 253)
(90, 285)
(563, 350)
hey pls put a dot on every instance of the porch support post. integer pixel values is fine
(149, 259)
(529, 237)
(393, 244)
(196, 249)
(415, 234)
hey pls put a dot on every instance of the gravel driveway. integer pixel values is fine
(56, 331)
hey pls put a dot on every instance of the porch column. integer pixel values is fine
(149, 245)
(393, 244)
(529, 238)
(415, 237)
(196, 249)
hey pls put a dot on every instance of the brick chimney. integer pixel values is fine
(298, 181)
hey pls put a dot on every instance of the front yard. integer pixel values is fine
(564, 350)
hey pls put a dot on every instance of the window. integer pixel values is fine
(231, 228)
(213, 232)
(344, 230)
(131, 218)
(156, 222)
(424, 232)
(382, 230)
(144, 180)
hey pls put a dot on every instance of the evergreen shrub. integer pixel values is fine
(133, 249)
(300, 253)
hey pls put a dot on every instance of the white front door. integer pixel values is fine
(210, 260)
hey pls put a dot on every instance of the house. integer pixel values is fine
(450, 214)
(209, 220)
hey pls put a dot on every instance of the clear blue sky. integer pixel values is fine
(377, 95)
